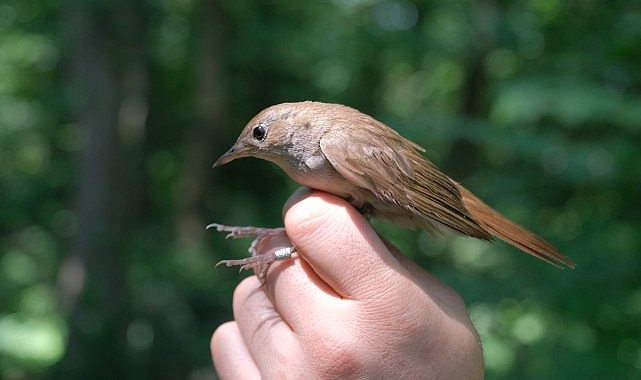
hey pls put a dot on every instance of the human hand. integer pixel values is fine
(349, 307)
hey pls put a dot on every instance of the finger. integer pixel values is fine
(341, 246)
(230, 354)
(296, 273)
(291, 286)
(264, 332)
(299, 295)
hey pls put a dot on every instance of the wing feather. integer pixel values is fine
(391, 167)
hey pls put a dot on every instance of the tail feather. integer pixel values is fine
(511, 232)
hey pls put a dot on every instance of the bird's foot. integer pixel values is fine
(269, 245)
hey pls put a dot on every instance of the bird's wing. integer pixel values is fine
(390, 166)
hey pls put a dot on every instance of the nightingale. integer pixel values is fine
(339, 150)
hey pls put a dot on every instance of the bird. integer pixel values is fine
(340, 150)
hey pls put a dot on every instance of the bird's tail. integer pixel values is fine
(512, 233)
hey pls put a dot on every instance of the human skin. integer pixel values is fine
(348, 307)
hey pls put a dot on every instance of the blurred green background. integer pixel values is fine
(112, 112)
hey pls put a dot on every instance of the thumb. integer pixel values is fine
(339, 244)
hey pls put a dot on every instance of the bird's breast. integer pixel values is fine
(317, 172)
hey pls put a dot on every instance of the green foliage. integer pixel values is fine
(532, 104)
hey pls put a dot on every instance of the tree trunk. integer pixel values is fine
(203, 140)
(91, 281)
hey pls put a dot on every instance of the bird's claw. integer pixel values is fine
(259, 262)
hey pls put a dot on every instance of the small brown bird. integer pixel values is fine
(337, 149)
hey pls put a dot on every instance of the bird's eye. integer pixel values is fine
(259, 132)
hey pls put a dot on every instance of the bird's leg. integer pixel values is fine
(269, 245)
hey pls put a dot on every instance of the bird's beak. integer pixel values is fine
(233, 153)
